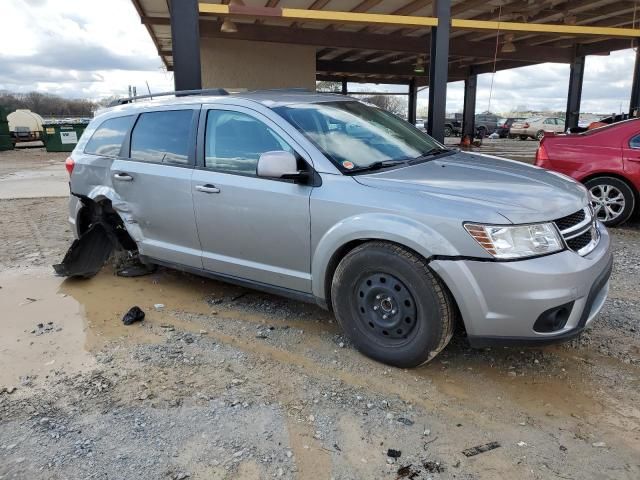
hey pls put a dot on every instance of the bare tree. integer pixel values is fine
(47, 105)
(329, 87)
(391, 103)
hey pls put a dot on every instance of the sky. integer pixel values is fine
(96, 48)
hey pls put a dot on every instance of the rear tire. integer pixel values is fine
(613, 200)
(523, 137)
(391, 306)
(447, 132)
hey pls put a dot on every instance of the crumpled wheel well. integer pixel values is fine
(102, 211)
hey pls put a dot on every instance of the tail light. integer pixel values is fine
(525, 125)
(542, 157)
(69, 163)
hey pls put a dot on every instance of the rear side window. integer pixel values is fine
(162, 137)
(635, 142)
(108, 137)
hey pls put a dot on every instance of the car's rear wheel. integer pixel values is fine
(613, 200)
(523, 137)
(539, 134)
(391, 306)
(447, 131)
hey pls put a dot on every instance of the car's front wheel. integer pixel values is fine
(539, 134)
(391, 306)
(523, 137)
(613, 200)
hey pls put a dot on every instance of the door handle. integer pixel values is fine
(123, 177)
(208, 188)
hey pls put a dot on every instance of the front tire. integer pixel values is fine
(447, 132)
(523, 137)
(613, 200)
(539, 135)
(391, 306)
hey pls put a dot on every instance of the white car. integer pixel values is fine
(535, 127)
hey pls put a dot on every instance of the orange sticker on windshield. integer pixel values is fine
(348, 165)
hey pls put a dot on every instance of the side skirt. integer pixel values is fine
(242, 282)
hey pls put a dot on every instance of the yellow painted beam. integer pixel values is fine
(358, 18)
(326, 16)
(298, 14)
(545, 28)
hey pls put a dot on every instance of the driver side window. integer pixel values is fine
(234, 141)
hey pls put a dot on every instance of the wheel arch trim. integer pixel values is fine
(357, 229)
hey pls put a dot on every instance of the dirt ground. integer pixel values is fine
(222, 382)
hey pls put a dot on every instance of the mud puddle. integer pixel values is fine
(42, 330)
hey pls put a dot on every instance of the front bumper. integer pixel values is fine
(501, 301)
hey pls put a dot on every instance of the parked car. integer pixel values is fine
(452, 126)
(606, 160)
(535, 127)
(486, 123)
(504, 125)
(326, 199)
(599, 123)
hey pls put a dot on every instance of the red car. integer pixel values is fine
(606, 160)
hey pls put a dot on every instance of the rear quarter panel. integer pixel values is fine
(581, 156)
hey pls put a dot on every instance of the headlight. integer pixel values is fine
(517, 241)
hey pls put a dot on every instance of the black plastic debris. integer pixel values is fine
(433, 467)
(135, 314)
(408, 472)
(393, 453)
(473, 451)
(406, 421)
(137, 269)
(87, 254)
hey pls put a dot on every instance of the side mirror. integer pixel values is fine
(279, 164)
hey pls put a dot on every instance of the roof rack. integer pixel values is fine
(177, 93)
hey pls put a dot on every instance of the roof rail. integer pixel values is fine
(177, 93)
(292, 89)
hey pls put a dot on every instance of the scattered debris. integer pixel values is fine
(135, 314)
(28, 300)
(407, 472)
(391, 453)
(158, 306)
(433, 467)
(599, 444)
(135, 268)
(8, 390)
(522, 444)
(473, 451)
(406, 421)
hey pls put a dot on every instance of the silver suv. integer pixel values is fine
(326, 199)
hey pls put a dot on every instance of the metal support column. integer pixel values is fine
(185, 37)
(438, 69)
(575, 92)
(413, 101)
(469, 110)
(634, 105)
(345, 91)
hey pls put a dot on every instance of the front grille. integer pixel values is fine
(578, 231)
(580, 241)
(570, 220)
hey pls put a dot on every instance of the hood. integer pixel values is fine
(522, 193)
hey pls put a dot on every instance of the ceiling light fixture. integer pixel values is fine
(419, 66)
(508, 46)
(228, 25)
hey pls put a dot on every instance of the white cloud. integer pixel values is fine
(93, 49)
(77, 48)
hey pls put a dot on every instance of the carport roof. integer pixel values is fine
(386, 46)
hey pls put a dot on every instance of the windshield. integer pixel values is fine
(354, 135)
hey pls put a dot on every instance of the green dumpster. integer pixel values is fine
(5, 142)
(62, 137)
(5, 137)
